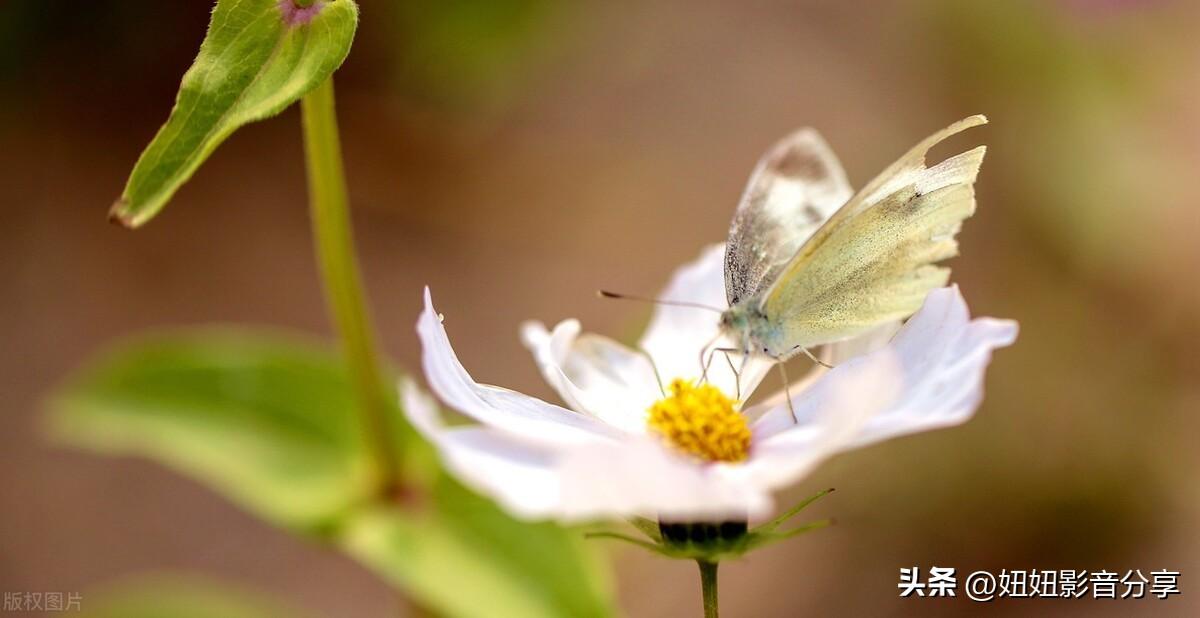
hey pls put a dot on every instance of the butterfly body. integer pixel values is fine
(809, 263)
(757, 333)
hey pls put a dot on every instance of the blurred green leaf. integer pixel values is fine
(472, 52)
(266, 421)
(463, 555)
(173, 596)
(256, 60)
(1073, 100)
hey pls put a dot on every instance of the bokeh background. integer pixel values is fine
(518, 154)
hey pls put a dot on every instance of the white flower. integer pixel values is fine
(698, 456)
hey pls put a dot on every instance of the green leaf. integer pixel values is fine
(175, 596)
(267, 421)
(714, 542)
(464, 556)
(647, 527)
(774, 524)
(472, 52)
(258, 58)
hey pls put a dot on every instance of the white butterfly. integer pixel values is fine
(807, 264)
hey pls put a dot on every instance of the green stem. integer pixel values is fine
(334, 238)
(708, 587)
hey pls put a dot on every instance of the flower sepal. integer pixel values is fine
(714, 541)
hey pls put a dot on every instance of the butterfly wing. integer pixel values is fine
(794, 189)
(874, 259)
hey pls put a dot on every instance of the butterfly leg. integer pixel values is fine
(787, 390)
(815, 359)
(745, 359)
(704, 363)
(657, 375)
(737, 375)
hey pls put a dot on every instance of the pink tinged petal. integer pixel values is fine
(518, 475)
(594, 374)
(676, 335)
(510, 411)
(942, 355)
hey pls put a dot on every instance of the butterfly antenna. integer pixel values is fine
(656, 301)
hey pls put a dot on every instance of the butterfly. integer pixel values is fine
(807, 263)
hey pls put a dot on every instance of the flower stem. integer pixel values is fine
(708, 587)
(334, 244)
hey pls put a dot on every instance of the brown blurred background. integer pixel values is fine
(518, 154)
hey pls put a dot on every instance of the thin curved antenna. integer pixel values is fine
(655, 301)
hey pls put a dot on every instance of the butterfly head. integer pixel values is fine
(734, 320)
(746, 324)
(738, 322)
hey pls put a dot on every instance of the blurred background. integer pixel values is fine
(519, 154)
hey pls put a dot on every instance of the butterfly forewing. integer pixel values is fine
(873, 260)
(795, 188)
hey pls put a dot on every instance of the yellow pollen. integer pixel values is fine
(701, 421)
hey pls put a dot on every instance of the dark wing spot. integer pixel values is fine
(801, 165)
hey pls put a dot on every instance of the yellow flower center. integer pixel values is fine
(701, 421)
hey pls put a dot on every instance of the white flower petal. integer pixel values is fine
(676, 335)
(520, 476)
(874, 339)
(641, 476)
(594, 374)
(832, 354)
(942, 355)
(832, 414)
(508, 410)
(543, 461)
(584, 482)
